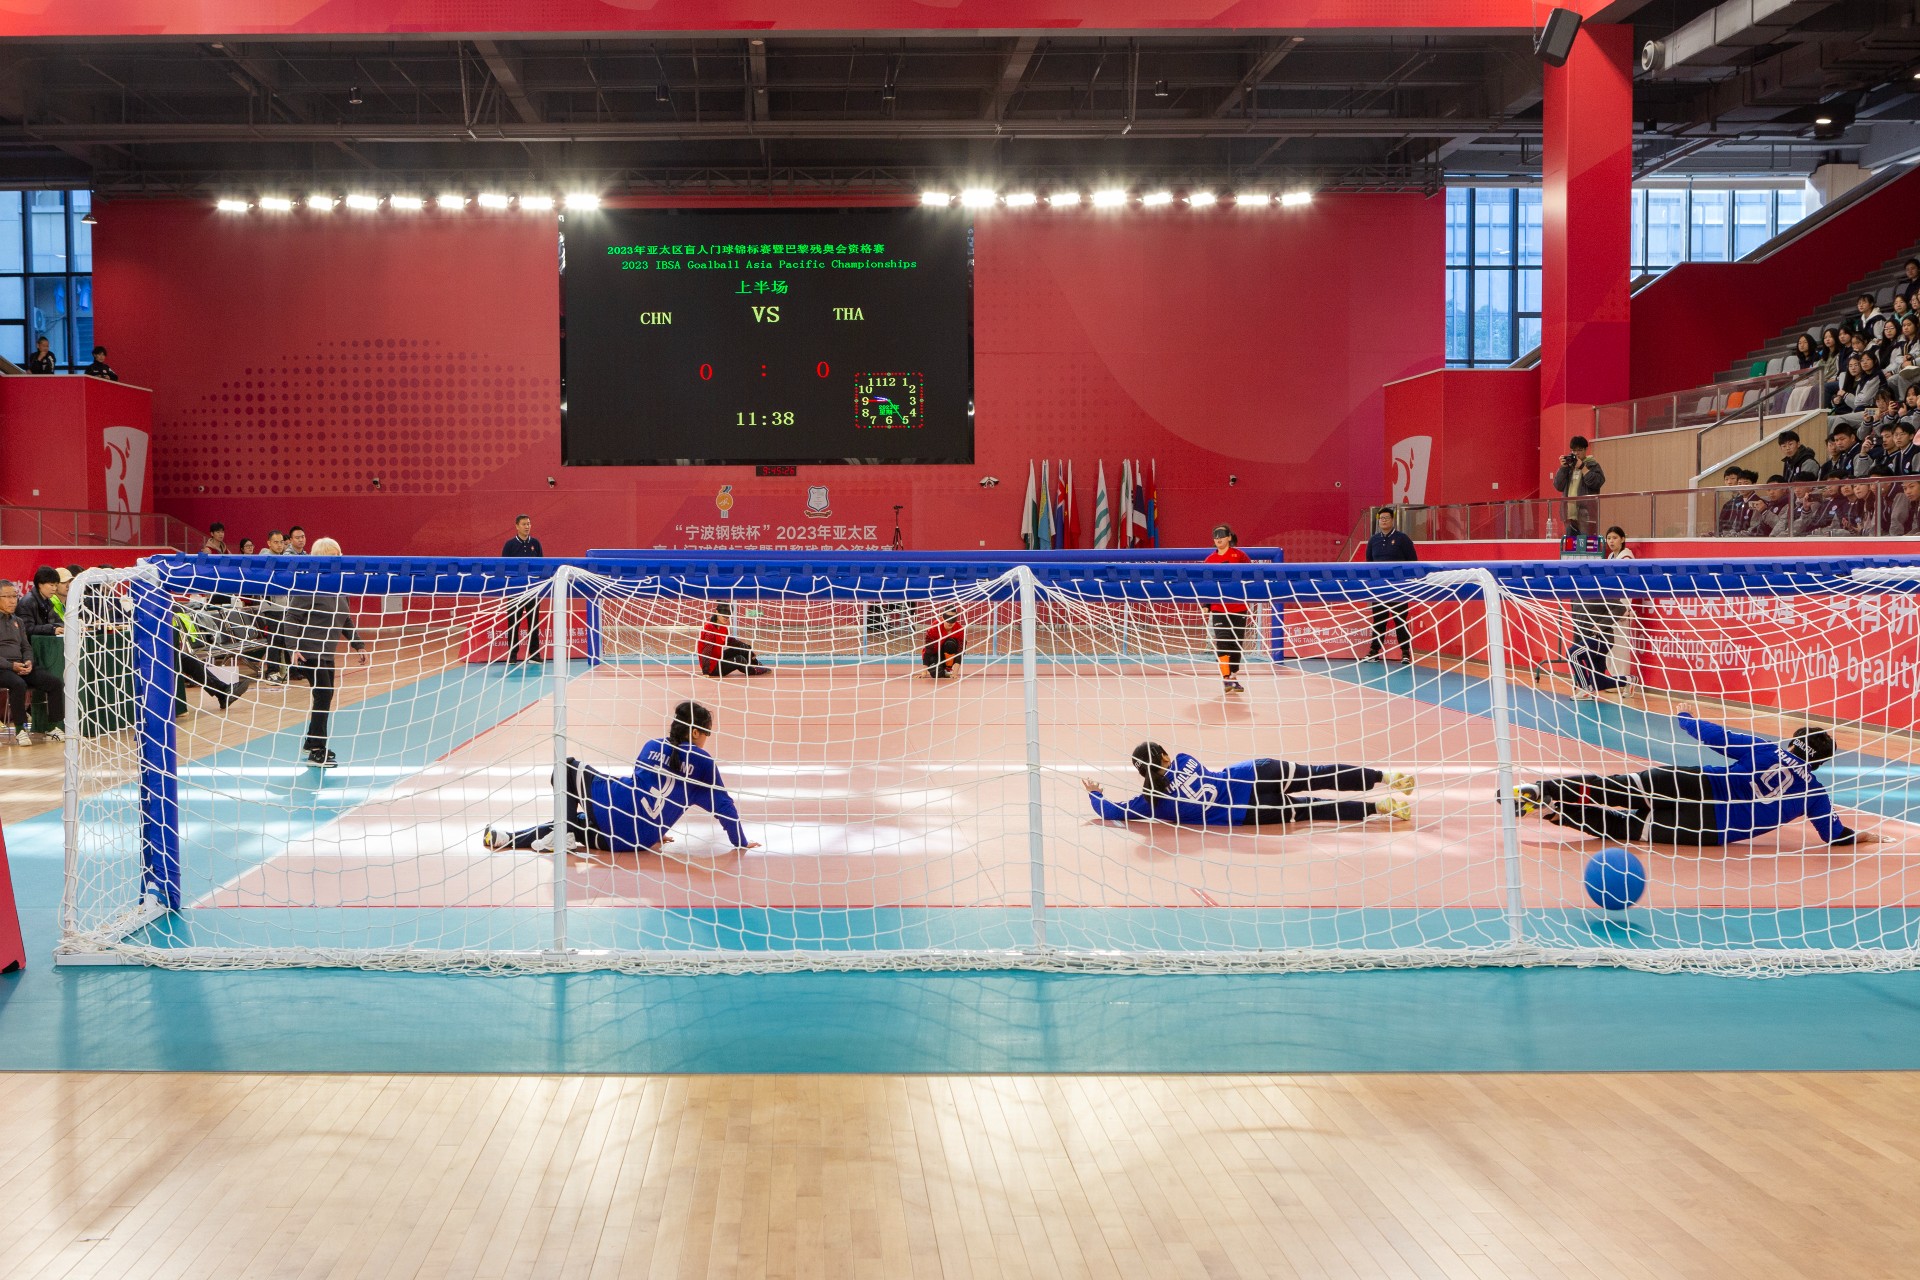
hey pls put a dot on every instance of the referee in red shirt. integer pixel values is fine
(1228, 619)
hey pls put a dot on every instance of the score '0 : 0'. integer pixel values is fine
(706, 373)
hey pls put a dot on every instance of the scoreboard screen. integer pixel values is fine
(772, 336)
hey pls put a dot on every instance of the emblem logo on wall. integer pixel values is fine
(1410, 461)
(724, 501)
(126, 449)
(817, 501)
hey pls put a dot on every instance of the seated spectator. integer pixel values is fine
(1736, 517)
(216, 540)
(1901, 310)
(1771, 512)
(20, 676)
(1909, 288)
(246, 546)
(1904, 459)
(42, 609)
(1805, 353)
(1797, 462)
(41, 360)
(1833, 359)
(1902, 368)
(1839, 514)
(1843, 453)
(1860, 388)
(100, 368)
(1866, 313)
(1902, 510)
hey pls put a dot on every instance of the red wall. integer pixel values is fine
(1479, 428)
(55, 444)
(295, 359)
(1700, 317)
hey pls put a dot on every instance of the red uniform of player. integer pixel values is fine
(718, 654)
(946, 640)
(1229, 619)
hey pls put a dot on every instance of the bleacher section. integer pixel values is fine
(1776, 355)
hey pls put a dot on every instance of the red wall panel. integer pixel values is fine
(1463, 435)
(1700, 317)
(294, 360)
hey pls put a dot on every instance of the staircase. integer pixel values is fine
(1878, 282)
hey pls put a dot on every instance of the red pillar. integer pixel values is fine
(13, 952)
(1586, 173)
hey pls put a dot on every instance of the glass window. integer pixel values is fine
(1531, 229)
(1458, 214)
(1709, 219)
(47, 230)
(1459, 344)
(80, 202)
(12, 236)
(1529, 334)
(1529, 293)
(1666, 228)
(1637, 253)
(1492, 226)
(13, 299)
(1789, 208)
(1752, 221)
(13, 342)
(1492, 316)
(50, 313)
(83, 319)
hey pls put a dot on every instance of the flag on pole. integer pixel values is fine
(1073, 514)
(1102, 516)
(1153, 504)
(1060, 507)
(1123, 529)
(1030, 515)
(1043, 538)
(1138, 513)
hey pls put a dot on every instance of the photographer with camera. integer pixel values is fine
(1579, 476)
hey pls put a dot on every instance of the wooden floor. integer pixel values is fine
(1602, 1176)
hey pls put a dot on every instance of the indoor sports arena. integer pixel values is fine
(844, 638)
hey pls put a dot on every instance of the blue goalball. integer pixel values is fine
(1615, 879)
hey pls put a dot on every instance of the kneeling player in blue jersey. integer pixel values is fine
(632, 813)
(1768, 785)
(1254, 793)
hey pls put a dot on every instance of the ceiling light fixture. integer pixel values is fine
(935, 199)
(1153, 200)
(320, 204)
(365, 204)
(410, 203)
(1159, 88)
(1252, 199)
(450, 203)
(231, 206)
(977, 197)
(87, 218)
(1020, 199)
(536, 204)
(1111, 198)
(661, 93)
(1064, 199)
(276, 204)
(1294, 199)
(494, 200)
(1201, 199)
(580, 200)
(353, 96)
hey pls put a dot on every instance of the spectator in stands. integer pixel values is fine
(525, 613)
(315, 624)
(246, 546)
(1902, 367)
(1843, 453)
(1388, 544)
(1901, 310)
(1735, 515)
(1797, 462)
(1866, 314)
(1772, 512)
(1579, 476)
(1833, 355)
(1902, 510)
(297, 542)
(100, 368)
(41, 361)
(1879, 444)
(1885, 344)
(1909, 288)
(276, 543)
(38, 610)
(1805, 353)
(216, 540)
(1886, 408)
(1904, 460)
(1911, 410)
(1860, 388)
(19, 676)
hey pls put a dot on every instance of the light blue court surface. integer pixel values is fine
(1424, 1020)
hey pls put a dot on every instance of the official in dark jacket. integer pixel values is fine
(20, 675)
(1388, 545)
(314, 625)
(40, 606)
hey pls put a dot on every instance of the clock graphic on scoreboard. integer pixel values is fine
(889, 401)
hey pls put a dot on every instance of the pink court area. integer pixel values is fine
(868, 787)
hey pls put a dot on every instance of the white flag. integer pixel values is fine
(1102, 518)
(1028, 527)
(1137, 510)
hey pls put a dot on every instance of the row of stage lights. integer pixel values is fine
(1111, 198)
(970, 198)
(320, 203)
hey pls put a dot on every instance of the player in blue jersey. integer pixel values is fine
(1769, 784)
(1254, 793)
(633, 812)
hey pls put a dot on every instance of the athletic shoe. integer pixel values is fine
(321, 758)
(1527, 798)
(55, 734)
(1373, 654)
(759, 671)
(491, 839)
(1234, 686)
(276, 677)
(1397, 808)
(1397, 781)
(231, 694)
(544, 844)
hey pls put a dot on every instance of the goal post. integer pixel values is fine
(942, 762)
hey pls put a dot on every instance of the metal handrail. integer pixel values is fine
(1707, 406)
(75, 527)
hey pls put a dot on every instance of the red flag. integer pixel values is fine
(1153, 503)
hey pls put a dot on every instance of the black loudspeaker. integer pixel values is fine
(1555, 40)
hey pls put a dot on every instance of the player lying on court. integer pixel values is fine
(719, 654)
(632, 813)
(1254, 793)
(1769, 784)
(946, 640)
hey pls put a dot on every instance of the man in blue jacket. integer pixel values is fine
(1387, 544)
(1768, 785)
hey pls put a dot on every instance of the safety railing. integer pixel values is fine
(1770, 395)
(63, 527)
